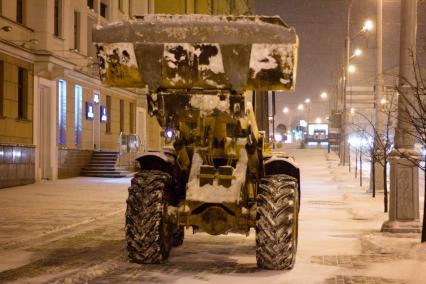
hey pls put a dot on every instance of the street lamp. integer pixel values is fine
(308, 103)
(318, 120)
(351, 69)
(285, 110)
(324, 96)
(358, 52)
(368, 26)
(300, 107)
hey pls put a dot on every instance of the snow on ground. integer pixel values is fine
(71, 231)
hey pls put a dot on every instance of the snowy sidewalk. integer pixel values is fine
(39, 211)
(71, 231)
(377, 257)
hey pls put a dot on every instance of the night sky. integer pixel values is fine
(321, 26)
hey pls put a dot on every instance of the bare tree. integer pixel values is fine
(381, 145)
(414, 96)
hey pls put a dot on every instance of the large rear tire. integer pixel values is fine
(148, 234)
(277, 222)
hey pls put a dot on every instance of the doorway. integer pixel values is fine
(141, 127)
(96, 122)
(45, 129)
(45, 118)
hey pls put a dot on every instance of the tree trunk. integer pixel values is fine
(424, 210)
(373, 173)
(385, 182)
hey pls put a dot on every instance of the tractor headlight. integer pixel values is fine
(169, 134)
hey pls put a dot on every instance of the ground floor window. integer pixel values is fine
(1, 86)
(22, 93)
(62, 111)
(132, 118)
(108, 113)
(121, 116)
(78, 113)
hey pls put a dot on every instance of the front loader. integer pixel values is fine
(218, 176)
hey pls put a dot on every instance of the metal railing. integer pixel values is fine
(129, 143)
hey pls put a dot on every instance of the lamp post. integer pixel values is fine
(368, 26)
(308, 104)
(404, 212)
(376, 182)
(285, 112)
(324, 96)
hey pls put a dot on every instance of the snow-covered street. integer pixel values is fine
(71, 231)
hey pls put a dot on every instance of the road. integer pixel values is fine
(75, 235)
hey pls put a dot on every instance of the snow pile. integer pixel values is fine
(185, 19)
(264, 57)
(215, 62)
(179, 56)
(124, 51)
(208, 103)
(216, 193)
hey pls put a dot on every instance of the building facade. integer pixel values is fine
(54, 111)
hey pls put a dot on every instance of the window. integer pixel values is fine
(78, 126)
(58, 18)
(213, 7)
(121, 116)
(232, 7)
(108, 111)
(90, 4)
(120, 5)
(150, 8)
(104, 10)
(20, 11)
(90, 47)
(76, 30)
(22, 93)
(62, 111)
(132, 118)
(1, 87)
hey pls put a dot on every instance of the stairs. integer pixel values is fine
(103, 164)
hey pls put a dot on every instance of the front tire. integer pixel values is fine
(277, 222)
(148, 234)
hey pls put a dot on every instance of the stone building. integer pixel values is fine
(54, 111)
(50, 95)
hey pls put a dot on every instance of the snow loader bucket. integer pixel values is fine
(198, 52)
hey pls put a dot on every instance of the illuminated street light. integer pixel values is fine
(324, 95)
(285, 110)
(352, 110)
(358, 52)
(383, 101)
(300, 107)
(368, 26)
(278, 137)
(307, 101)
(318, 120)
(351, 68)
